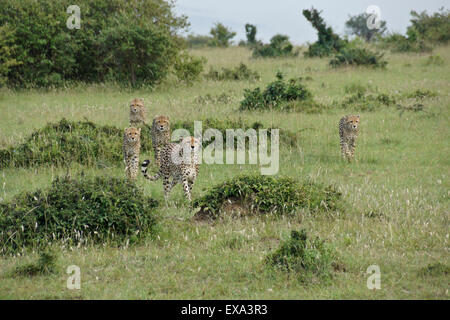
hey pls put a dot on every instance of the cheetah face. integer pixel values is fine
(190, 143)
(136, 105)
(162, 123)
(132, 134)
(353, 123)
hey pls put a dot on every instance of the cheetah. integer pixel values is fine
(179, 161)
(160, 135)
(131, 148)
(138, 113)
(348, 132)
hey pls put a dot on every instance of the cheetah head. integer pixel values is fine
(190, 143)
(353, 122)
(161, 123)
(132, 135)
(136, 105)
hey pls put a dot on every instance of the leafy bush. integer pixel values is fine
(357, 25)
(311, 259)
(287, 138)
(279, 46)
(359, 57)
(400, 43)
(7, 52)
(328, 42)
(278, 95)
(45, 265)
(421, 94)
(118, 41)
(76, 211)
(221, 35)
(66, 141)
(241, 72)
(364, 101)
(266, 194)
(188, 68)
(198, 41)
(434, 60)
(434, 28)
(435, 269)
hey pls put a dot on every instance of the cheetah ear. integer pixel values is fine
(357, 116)
(125, 130)
(139, 130)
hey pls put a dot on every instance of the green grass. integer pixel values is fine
(397, 192)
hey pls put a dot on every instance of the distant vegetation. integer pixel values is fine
(357, 25)
(241, 72)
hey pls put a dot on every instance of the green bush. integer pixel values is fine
(279, 46)
(311, 259)
(198, 41)
(357, 25)
(133, 43)
(188, 68)
(399, 43)
(7, 52)
(66, 141)
(241, 72)
(363, 101)
(45, 265)
(421, 94)
(434, 28)
(266, 194)
(355, 56)
(328, 42)
(76, 211)
(221, 35)
(434, 60)
(435, 269)
(278, 95)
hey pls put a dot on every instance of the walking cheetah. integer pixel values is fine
(131, 148)
(160, 135)
(138, 113)
(348, 132)
(179, 161)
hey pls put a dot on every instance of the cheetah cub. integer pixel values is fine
(138, 113)
(348, 132)
(160, 135)
(131, 148)
(179, 161)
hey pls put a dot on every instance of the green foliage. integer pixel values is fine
(122, 41)
(76, 211)
(278, 95)
(311, 259)
(421, 94)
(188, 68)
(66, 141)
(359, 99)
(356, 56)
(266, 194)
(241, 72)
(7, 52)
(45, 265)
(434, 60)
(400, 43)
(328, 42)
(287, 138)
(250, 32)
(221, 35)
(357, 25)
(435, 269)
(279, 46)
(198, 41)
(433, 28)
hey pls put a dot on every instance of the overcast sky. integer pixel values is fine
(285, 17)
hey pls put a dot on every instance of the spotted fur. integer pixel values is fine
(160, 135)
(138, 113)
(179, 161)
(131, 148)
(348, 132)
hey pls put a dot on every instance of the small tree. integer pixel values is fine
(250, 32)
(221, 35)
(357, 25)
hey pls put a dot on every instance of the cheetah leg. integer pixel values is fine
(187, 189)
(344, 149)
(352, 148)
(168, 185)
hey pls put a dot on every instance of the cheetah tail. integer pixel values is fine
(144, 167)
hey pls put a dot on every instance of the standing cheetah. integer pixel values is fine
(131, 148)
(138, 113)
(160, 135)
(348, 132)
(179, 161)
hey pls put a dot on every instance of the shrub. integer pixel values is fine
(76, 211)
(421, 94)
(434, 28)
(435, 269)
(400, 43)
(188, 68)
(434, 60)
(45, 265)
(7, 52)
(358, 57)
(241, 72)
(266, 194)
(117, 41)
(279, 46)
(66, 141)
(278, 95)
(198, 41)
(311, 259)
(221, 35)
(357, 25)
(328, 42)
(362, 101)
(250, 33)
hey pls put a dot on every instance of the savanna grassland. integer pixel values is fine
(396, 193)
